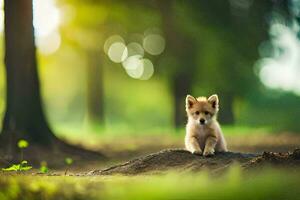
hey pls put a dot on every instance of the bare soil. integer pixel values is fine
(183, 161)
(136, 155)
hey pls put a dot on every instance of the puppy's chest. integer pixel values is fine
(202, 133)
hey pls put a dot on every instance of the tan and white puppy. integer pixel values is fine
(203, 132)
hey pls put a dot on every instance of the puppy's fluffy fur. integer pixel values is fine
(203, 132)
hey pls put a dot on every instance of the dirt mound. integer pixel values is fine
(175, 159)
(289, 159)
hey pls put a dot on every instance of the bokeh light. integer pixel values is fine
(1, 15)
(135, 48)
(48, 44)
(138, 67)
(46, 21)
(112, 39)
(132, 55)
(281, 69)
(132, 62)
(118, 52)
(67, 13)
(154, 44)
(46, 17)
(148, 69)
(135, 70)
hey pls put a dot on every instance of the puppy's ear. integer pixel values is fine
(190, 101)
(214, 101)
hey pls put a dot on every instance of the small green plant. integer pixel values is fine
(69, 162)
(23, 165)
(22, 144)
(43, 167)
(18, 167)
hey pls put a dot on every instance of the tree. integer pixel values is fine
(179, 46)
(92, 27)
(24, 116)
(232, 34)
(95, 104)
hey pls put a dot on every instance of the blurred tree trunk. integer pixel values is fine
(182, 48)
(180, 88)
(24, 116)
(95, 103)
(226, 114)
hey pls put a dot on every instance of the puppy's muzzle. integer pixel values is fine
(202, 121)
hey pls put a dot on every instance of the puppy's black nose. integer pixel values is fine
(202, 121)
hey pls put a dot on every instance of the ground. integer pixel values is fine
(129, 147)
(180, 160)
(175, 173)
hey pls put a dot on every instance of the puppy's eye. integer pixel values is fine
(197, 112)
(206, 112)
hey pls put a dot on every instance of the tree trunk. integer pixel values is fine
(24, 116)
(180, 88)
(226, 114)
(95, 104)
(181, 47)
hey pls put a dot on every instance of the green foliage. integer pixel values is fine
(43, 167)
(23, 144)
(224, 53)
(23, 166)
(24, 162)
(278, 110)
(266, 184)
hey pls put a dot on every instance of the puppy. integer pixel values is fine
(203, 132)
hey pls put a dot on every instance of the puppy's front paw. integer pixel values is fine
(209, 152)
(196, 152)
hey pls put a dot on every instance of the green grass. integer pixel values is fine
(71, 131)
(246, 130)
(268, 184)
(129, 140)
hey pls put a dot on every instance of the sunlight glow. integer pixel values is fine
(138, 67)
(118, 52)
(135, 48)
(154, 44)
(46, 17)
(1, 16)
(136, 72)
(46, 21)
(281, 70)
(132, 55)
(112, 39)
(148, 69)
(48, 44)
(132, 62)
